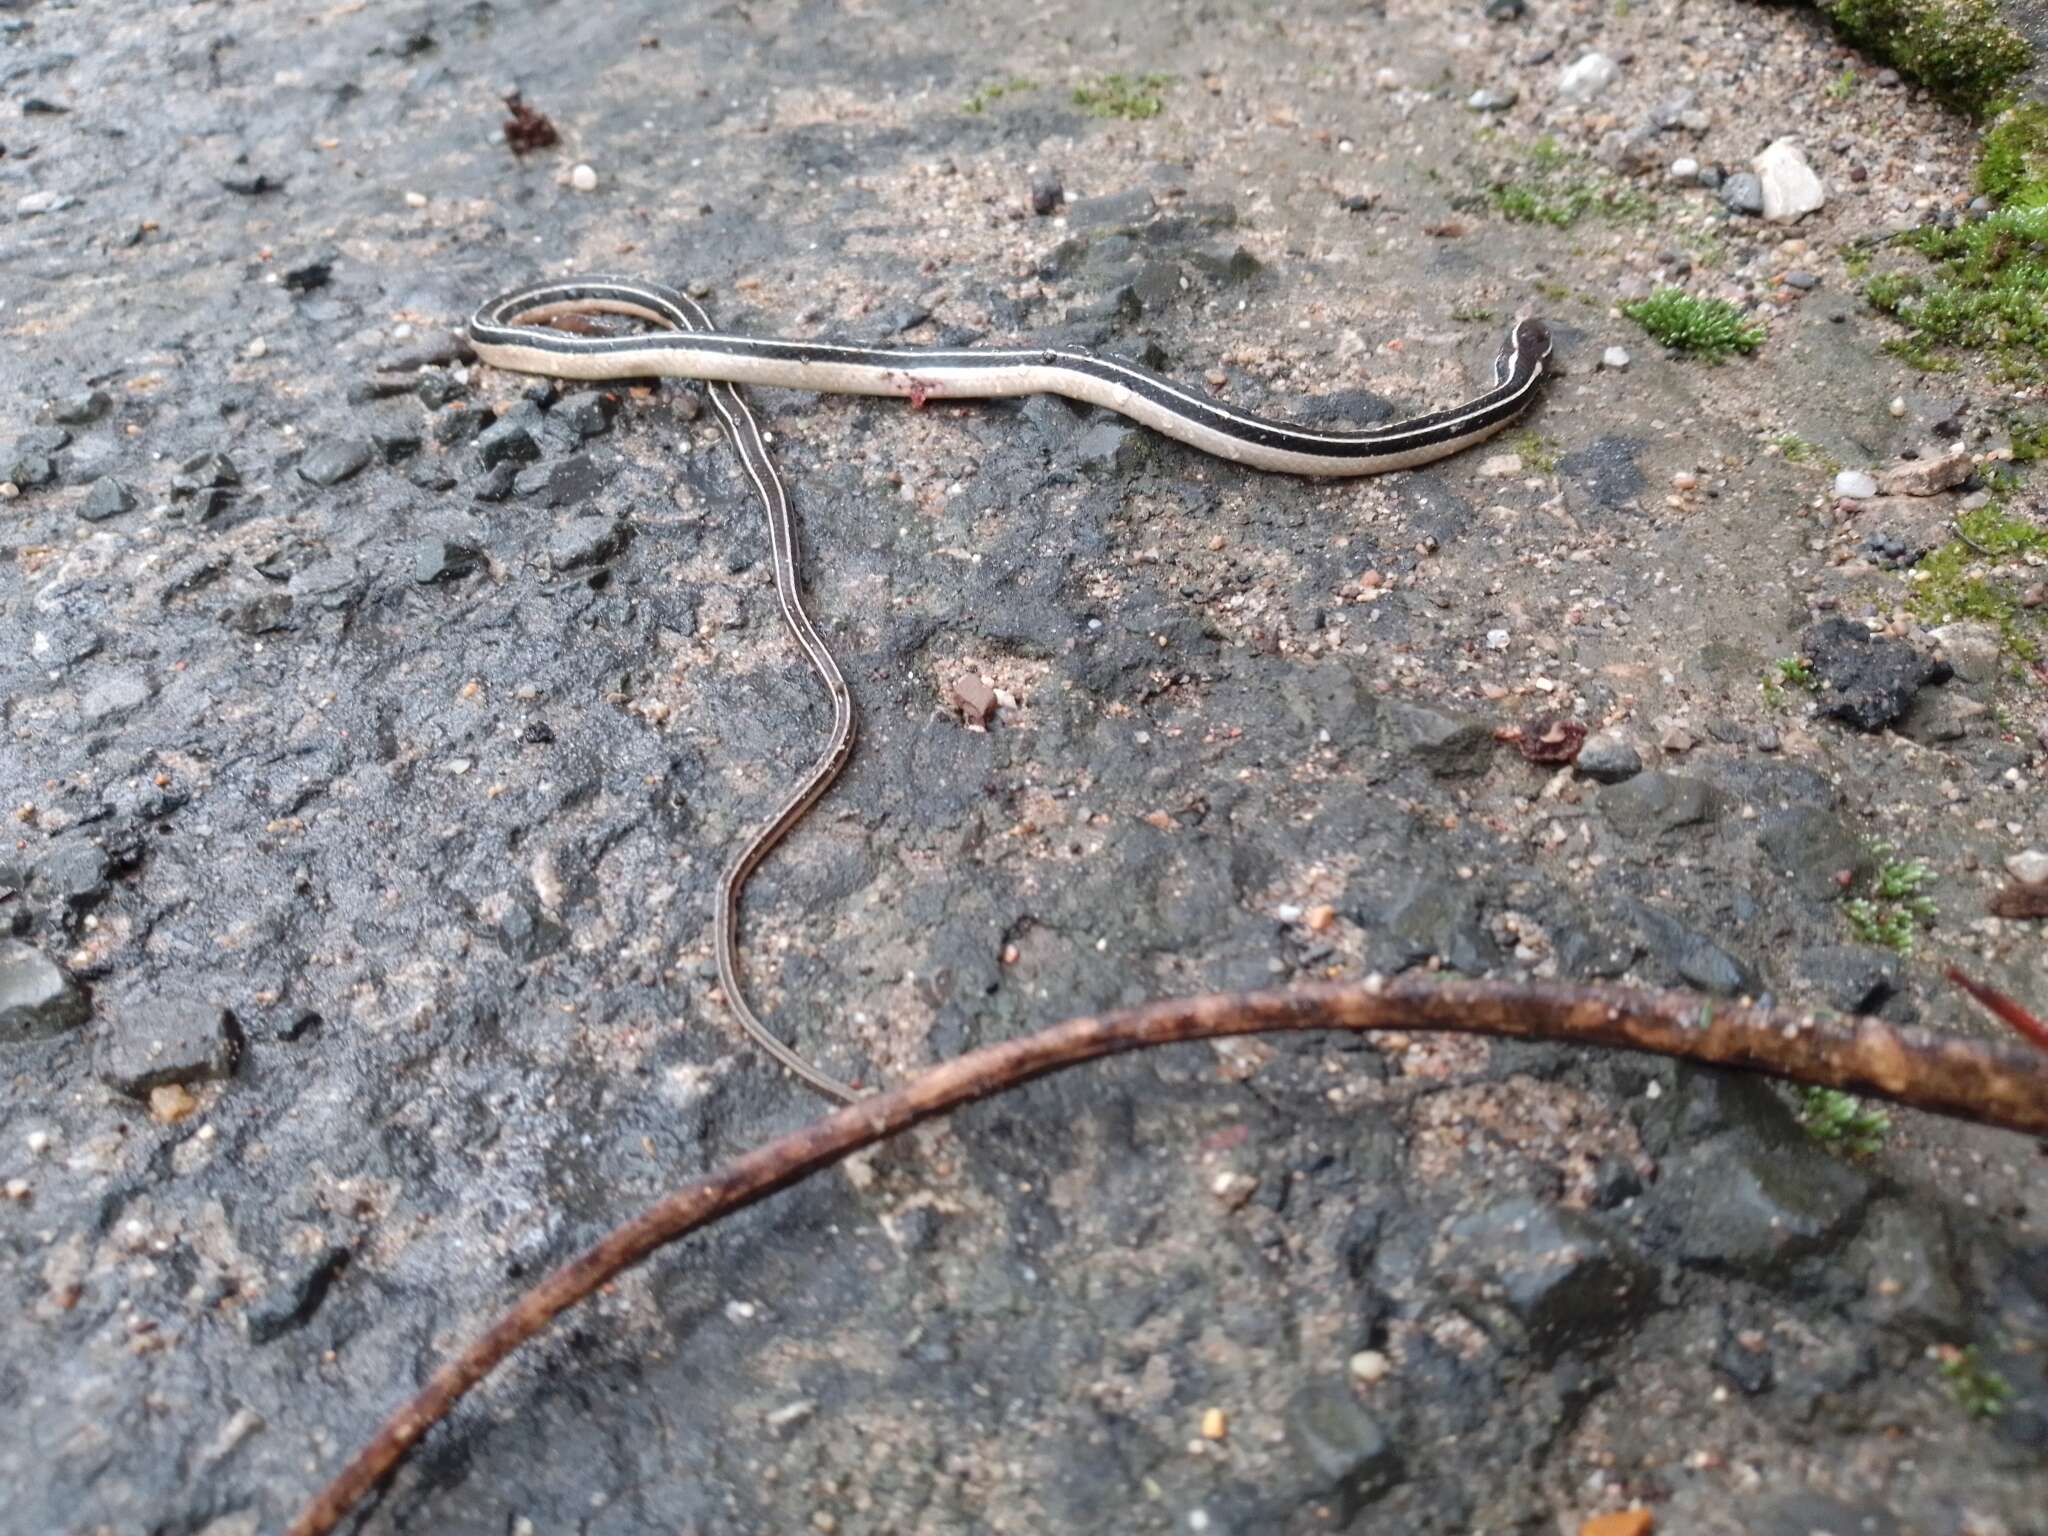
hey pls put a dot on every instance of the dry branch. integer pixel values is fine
(1948, 1075)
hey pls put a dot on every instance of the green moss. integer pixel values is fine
(1539, 453)
(995, 91)
(1841, 1120)
(1787, 672)
(1958, 49)
(1794, 449)
(1987, 289)
(1843, 86)
(1977, 575)
(1892, 905)
(1981, 1391)
(1130, 97)
(1553, 187)
(2014, 165)
(2029, 441)
(1709, 328)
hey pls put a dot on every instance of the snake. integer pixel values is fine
(513, 331)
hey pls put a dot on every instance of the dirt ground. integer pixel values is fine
(368, 800)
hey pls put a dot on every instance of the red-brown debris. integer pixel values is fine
(1546, 739)
(527, 129)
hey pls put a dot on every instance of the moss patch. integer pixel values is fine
(995, 91)
(1554, 187)
(1958, 49)
(1980, 575)
(1987, 289)
(2014, 164)
(1130, 97)
(1709, 328)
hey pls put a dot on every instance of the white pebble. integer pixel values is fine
(38, 1142)
(1615, 358)
(256, 348)
(583, 179)
(2030, 867)
(1496, 639)
(1587, 78)
(1855, 485)
(1685, 168)
(1898, 405)
(1685, 480)
(1370, 1365)
(415, 199)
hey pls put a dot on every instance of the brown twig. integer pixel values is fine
(2010, 1009)
(1993, 1083)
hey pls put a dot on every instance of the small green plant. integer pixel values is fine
(1843, 1121)
(1794, 449)
(1979, 574)
(1982, 1392)
(1553, 187)
(1788, 672)
(1471, 314)
(1843, 86)
(2014, 165)
(1893, 906)
(1986, 289)
(1958, 49)
(1539, 453)
(1708, 328)
(987, 95)
(1130, 97)
(2029, 441)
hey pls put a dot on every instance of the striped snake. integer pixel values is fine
(509, 332)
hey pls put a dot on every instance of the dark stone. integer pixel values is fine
(498, 484)
(444, 560)
(151, 1041)
(1910, 1283)
(292, 1297)
(309, 275)
(1349, 1455)
(585, 414)
(114, 697)
(395, 447)
(1851, 978)
(333, 462)
(80, 409)
(1565, 1277)
(263, 615)
(1697, 959)
(38, 998)
(1157, 286)
(542, 393)
(382, 387)
(1865, 681)
(75, 873)
(1433, 917)
(107, 498)
(33, 471)
(1607, 469)
(1505, 10)
(437, 390)
(454, 428)
(1608, 760)
(1655, 804)
(511, 438)
(205, 472)
(1750, 1369)
(1447, 745)
(587, 541)
(1809, 846)
(1743, 193)
(1120, 210)
(1110, 445)
(432, 475)
(1046, 195)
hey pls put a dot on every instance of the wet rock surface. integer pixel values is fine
(380, 724)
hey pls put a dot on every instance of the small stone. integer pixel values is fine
(436, 560)
(1927, 477)
(38, 998)
(1215, 1425)
(586, 414)
(1615, 359)
(42, 202)
(1805, 282)
(1864, 680)
(1500, 466)
(333, 462)
(1625, 1522)
(1855, 485)
(975, 699)
(1677, 739)
(587, 541)
(1505, 10)
(1790, 188)
(1608, 759)
(33, 470)
(1973, 648)
(415, 199)
(81, 409)
(107, 498)
(1492, 98)
(1587, 77)
(2035, 596)
(1743, 193)
(455, 427)
(1684, 168)
(583, 179)
(497, 485)
(1369, 1366)
(786, 1418)
(2029, 867)
(1345, 1447)
(1447, 745)
(1046, 195)
(155, 1041)
(171, 1103)
(511, 438)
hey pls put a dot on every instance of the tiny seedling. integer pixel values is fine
(1894, 906)
(1842, 1121)
(989, 94)
(1983, 1393)
(1788, 672)
(1130, 97)
(1708, 328)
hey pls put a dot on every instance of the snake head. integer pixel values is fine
(1524, 351)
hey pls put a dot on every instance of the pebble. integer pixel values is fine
(1928, 476)
(1615, 359)
(415, 200)
(583, 179)
(1587, 77)
(107, 498)
(977, 701)
(1370, 1365)
(1623, 1522)
(2029, 868)
(1676, 740)
(1505, 10)
(171, 1103)
(1855, 485)
(1684, 168)
(1046, 195)
(1500, 466)
(1897, 406)
(333, 462)
(1743, 193)
(1790, 188)
(2035, 596)
(1489, 98)
(42, 202)
(81, 409)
